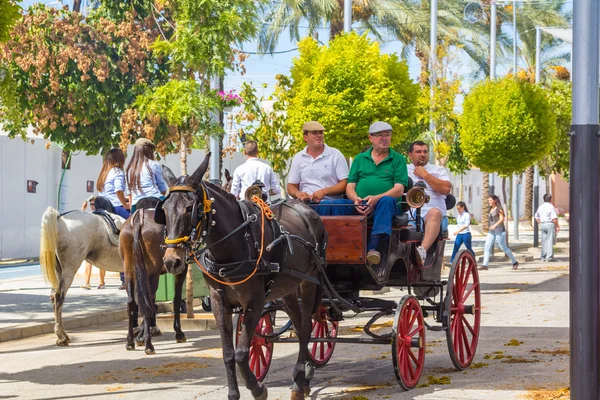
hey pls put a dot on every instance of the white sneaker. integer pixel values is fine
(421, 255)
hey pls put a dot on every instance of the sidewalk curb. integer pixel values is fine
(100, 318)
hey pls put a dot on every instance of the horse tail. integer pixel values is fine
(141, 273)
(48, 239)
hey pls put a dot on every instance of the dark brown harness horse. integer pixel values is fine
(247, 260)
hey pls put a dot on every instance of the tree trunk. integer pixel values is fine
(189, 279)
(485, 188)
(183, 154)
(528, 195)
(77, 5)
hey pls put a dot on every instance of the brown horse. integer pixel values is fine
(140, 249)
(241, 245)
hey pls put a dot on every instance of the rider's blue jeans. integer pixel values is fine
(336, 208)
(384, 211)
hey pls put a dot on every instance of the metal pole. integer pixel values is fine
(515, 205)
(432, 70)
(493, 41)
(493, 28)
(536, 169)
(347, 16)
(213, 174)
(585, 214)
(515, 37)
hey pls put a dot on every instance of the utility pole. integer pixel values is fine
(536, 168)
(493, 27)
(584, 252)
(432, 71)
(516, 186)
(347, 16)
(213, 174)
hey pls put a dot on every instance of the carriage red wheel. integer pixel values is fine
(261, 351)
(320, 352)
(462, 310)
(408, 342)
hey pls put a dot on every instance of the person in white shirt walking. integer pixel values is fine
(548, 220)
(438, 186)
(254, 170)
(463, 235)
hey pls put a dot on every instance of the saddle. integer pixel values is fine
(113, 224)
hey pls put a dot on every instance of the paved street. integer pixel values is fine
(527, 307)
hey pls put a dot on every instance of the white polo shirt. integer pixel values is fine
(251, 171)
(312, 174)
(546, 213)
(436, 200)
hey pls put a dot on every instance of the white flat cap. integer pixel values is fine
(379, 126)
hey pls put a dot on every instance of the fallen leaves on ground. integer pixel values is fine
(115, 389)
(432, 380)
(367, 388)
(513, 342)
(520, 360)
(561, 351)
(548, 394)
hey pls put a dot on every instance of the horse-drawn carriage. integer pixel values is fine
(454, 304)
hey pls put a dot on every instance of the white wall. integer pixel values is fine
(21, 212)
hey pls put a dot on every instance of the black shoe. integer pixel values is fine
(516, 265)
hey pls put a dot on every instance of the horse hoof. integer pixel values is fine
(140, 342)
(181, 340)
(130, 346)
(297, 396)
(155, 331)
(62, 342)
(150, 352)
(306, 391)
(264, 394)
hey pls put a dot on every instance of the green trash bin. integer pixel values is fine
(166, 286)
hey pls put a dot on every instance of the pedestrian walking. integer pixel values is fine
(496, 233)
(88, 266)
(463, 235)
(547, 218)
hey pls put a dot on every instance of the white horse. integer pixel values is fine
(65, 242)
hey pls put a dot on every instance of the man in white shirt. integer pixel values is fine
(252, 170)
(548, 220)
(319, 173)
(437, 182)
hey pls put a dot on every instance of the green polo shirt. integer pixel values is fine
(372, 179)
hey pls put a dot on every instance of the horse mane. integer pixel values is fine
(219, 190)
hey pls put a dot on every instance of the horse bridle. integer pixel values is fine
(201, 211)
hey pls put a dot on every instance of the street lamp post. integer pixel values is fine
(584, 251)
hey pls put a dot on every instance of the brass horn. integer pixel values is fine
(416, 197)
(252, 191)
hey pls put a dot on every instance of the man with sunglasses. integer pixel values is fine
(376, 182)
(319, 173)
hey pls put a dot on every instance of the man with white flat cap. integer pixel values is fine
(376, 182)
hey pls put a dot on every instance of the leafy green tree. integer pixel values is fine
(559, 96)
(347, 86)
(263, 120)
(71, 78)
(203, 44)
(9, 14)
(506, 125)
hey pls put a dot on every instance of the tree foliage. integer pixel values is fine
(203, 44)
(71, 78)
(265, 119)
(506, 125)
(347, 86)
(559, 95)
(9, 14)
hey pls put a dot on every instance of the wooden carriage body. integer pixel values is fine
(346, 257)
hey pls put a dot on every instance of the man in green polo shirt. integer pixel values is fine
(377, 180)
